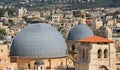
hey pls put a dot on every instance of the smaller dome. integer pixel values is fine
(79, 31)
(39, 62)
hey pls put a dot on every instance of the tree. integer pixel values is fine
(2, 33)
(78, 14)
(2, 12)
(11, 11)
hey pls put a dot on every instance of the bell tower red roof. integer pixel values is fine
(95, 39)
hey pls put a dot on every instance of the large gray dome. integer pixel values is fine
(38, 41)
(79, 31)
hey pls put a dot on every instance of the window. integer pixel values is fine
(61, 63)
(103, 68)
(4, 60)
(99, 53)
(105, 43)
(8, 68)
(41, 68)
(83, 53)
(86, 54)
(105, 53)
(0, 60)
(71, 25)
(73, 47)
(1, 50)
(28, 66)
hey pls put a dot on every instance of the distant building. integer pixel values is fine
(91, 0)
(118, 19)
(21, 12)
(68, 15)
(57, 17)
(105, 31)
(109, 20)
(5, 63)
(97, 23)
(118, 60)
(33, 15)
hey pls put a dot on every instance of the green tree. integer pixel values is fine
(2, 31)
(11, 11)
(78, 14)
(2, 12)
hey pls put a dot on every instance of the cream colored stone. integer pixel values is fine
(92, 61)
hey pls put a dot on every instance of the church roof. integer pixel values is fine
(95, 39)
(80, 31)
(38, 40)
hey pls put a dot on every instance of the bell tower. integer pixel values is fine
(96, 53)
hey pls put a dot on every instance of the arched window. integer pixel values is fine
(105, 53)
(41, 68)
(61, 63)
(0, 60)
(83, 53)
(28, 66)
(1, 50)
(86, 54)
(73, 47)
(99, 53)
(103, 68)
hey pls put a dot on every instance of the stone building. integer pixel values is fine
(21, 12)
(118, 60)
(97, 23)
(57, 17)
(5, 63)
(64, 26)
(34, 15)
(111, 22)
(68, 14)
(104, 31)
(96, 53)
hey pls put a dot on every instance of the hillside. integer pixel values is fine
(97, 3)
(72, 4)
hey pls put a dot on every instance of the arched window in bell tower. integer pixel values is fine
(99, 53)
(73, 47)
(105, 53)
(83, 53)
(86, 54)
(29, 66)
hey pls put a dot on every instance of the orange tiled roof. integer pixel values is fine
(95, 39)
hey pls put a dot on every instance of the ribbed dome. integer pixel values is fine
(80, 31)
(38, 41)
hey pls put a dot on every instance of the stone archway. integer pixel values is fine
(103, 68)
